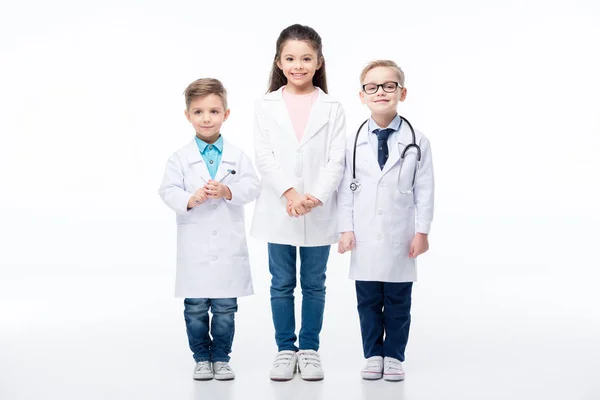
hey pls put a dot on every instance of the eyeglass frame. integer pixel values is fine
(398, 85)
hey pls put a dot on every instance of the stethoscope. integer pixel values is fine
(355, 184)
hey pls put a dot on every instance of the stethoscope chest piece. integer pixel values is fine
(355, 185)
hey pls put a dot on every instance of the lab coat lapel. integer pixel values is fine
(394, 150)
(319, 116)
(228, 161)
(393, 157)
(194, 158)
(281, 113)
(365, 152)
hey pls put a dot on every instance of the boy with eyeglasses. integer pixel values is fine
(385, 228)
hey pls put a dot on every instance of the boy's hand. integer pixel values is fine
(216, 190)
(197, 198)
(346, 242)
(419, 245)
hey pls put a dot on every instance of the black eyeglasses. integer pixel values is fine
(388, 87)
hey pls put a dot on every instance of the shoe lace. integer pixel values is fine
(310, 359)
(222, 367)
(203, 367)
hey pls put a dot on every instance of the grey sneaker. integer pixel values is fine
(223, 371)
(203, 371)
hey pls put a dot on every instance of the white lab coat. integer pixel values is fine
(383, 219)
(314, 165)
(212, 254)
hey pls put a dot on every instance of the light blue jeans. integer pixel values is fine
(222, 327)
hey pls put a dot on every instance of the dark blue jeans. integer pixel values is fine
(222, 327)
(384, 307)
(282, 265)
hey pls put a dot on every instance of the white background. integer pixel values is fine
(91, 106)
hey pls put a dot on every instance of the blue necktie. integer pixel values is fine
(382, 147)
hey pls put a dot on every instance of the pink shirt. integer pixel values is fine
(299, 107)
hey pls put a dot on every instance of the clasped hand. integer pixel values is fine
(299, 205)
(212, 190)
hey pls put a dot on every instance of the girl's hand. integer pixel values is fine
(347, 242)
(216, 190)
(302, 206)
(298, 208)
(419, 245)
(315, 201)
(295, 206)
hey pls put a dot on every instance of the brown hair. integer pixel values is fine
(307, 34)
(383, 63)
(204, 87)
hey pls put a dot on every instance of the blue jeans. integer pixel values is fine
(384, 307)
(222, 327)
(282, 265)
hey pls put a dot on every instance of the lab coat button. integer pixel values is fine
(378, 237)
(299, 151)
(380, 212)
(215, 258)
(214, 233)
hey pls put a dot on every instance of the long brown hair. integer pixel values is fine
(298, 32)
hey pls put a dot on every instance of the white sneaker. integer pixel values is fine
(223, 371)
(203, 371)
(309, 364)
(373, 369)
(284, 366)
(392, 369)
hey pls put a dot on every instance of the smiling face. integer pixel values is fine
(207, 114)
(381, 102)
(299, 62)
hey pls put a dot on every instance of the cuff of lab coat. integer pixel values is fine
(319, 194)
(178, 201)
(423, 227)
(345, 227)
(283, 188)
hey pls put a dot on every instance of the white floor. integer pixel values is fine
(75, 333)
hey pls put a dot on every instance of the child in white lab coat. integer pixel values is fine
(377, 204)
(207, 183)
(299, 142)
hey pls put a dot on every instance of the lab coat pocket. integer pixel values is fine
(236, 245)
(403, 212)
(404, 204)
(184, 219)
(400, 248)
(400, 232)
